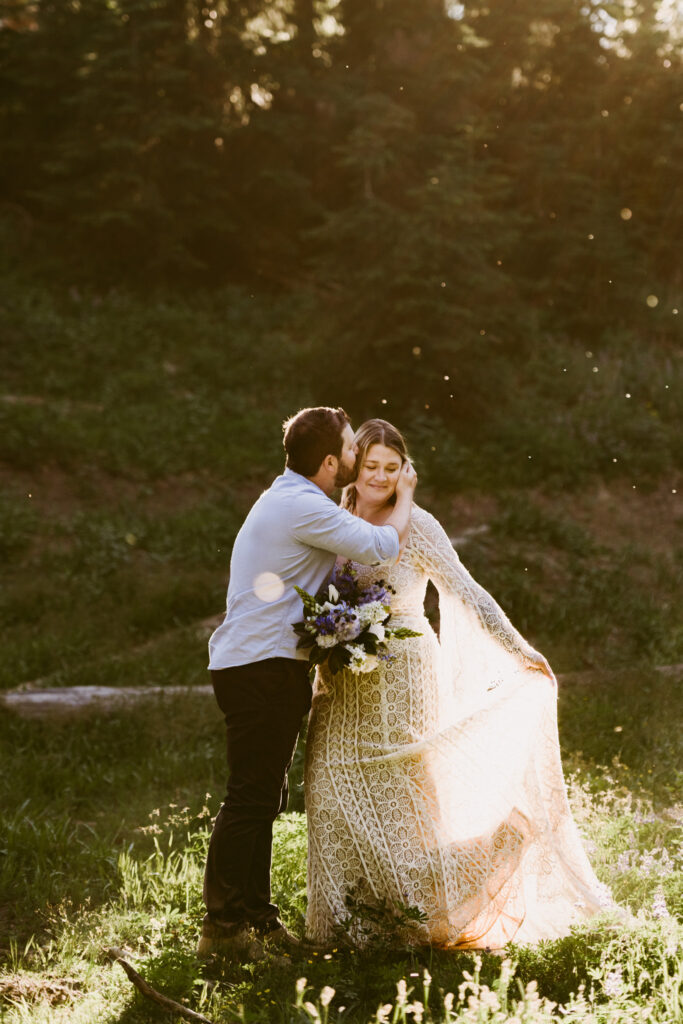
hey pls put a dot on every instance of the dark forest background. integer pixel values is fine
(444, 183)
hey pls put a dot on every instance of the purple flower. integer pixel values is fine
(614, 983)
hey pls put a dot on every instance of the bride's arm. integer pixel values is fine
(439, 559)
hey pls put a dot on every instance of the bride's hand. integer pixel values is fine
(407, 480)
(537, 661)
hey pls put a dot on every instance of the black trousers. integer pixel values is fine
(263, 704)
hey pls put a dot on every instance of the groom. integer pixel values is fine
(291, 536)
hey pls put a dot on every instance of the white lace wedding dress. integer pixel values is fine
(434, 787)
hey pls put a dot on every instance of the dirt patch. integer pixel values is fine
(619, 514)
(17, 988)
(55, 492)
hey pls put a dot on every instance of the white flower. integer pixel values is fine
(326, 996)
(383, 1013)
(378, 630)
(361, 661)
(301, 986)
(372, 612)
(333, 593)
(325, 640)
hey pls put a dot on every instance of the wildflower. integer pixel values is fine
(326, 996)
(624, 861)
(659, 907)
(417, 1010)
(604, 896)
(383, 1013)
(312, 1011)
(448, 1002)
(402, 990)
(371, 612)
(613, 983)
(301, 986)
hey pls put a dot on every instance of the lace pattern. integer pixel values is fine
(435, 784)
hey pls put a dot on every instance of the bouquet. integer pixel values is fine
(346, 625)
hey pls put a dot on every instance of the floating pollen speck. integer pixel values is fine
(626, 214)
(652, 301)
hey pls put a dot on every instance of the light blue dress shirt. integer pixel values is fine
(291, 536)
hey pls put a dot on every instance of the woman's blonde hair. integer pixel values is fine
(374, 432)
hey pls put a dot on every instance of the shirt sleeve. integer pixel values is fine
(318, 522)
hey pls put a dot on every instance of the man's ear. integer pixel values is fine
(331, 463)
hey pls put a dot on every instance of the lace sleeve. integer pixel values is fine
(436, 555)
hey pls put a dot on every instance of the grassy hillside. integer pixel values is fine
(134, 435)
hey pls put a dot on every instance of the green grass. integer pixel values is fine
(158, 422)
(104, 837)
(143, 432)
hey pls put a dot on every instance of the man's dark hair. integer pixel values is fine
(311, 435)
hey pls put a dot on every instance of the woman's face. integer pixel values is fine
(378, 474)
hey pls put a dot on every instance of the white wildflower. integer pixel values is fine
(417, 1010)
(378, 630)
(326, 640)
(402, 990)
(372, 612)
(312, 1011)
(333, 593)
(383, 1012)
(326, 996)
(489, 999)
(448, 1000)
(361, 661)
(301, 986)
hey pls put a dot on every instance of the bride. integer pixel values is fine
(434, 787)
